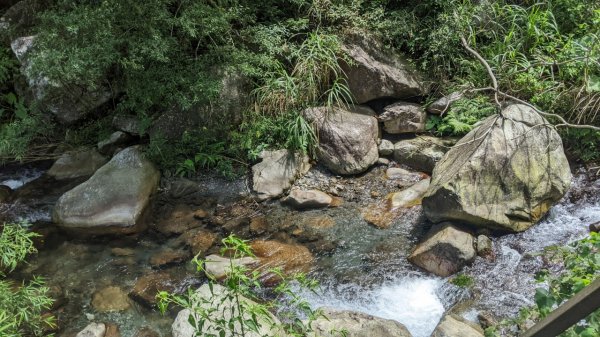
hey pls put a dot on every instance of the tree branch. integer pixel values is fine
(497, 92)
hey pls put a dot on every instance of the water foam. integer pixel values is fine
(412, 301)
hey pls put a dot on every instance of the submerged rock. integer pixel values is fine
(347, 137)
(357, 324)
(177, 220)
(148, 286)
(110, 299)
(218, 305)
(302, 200)
(168, 257)
(291, 258)
(376, 72)
(5, 193)
(75, 164)
(277, 172)
(454, 326)
(403, 117)
(421, 153)
(445, 250)
(113, 199)
(505, 174)
(199, 240)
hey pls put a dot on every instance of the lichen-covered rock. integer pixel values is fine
(505, 174)
(75, 164)
(403, 117)
(357, 324)
(445, 251)
(113, 199)
(276, 172)
(347, 137)
(376, 72)
(421, 153)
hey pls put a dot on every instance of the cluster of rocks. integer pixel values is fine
(502, 176)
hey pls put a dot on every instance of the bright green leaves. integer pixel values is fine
(238, 308)
(462, 115)
(581, 261)
(21, 307)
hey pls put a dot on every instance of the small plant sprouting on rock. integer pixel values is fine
(463, 281)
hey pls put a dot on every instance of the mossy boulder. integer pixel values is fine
(504, 175)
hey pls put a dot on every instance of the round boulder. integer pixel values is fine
(347, 137)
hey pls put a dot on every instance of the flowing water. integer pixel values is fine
(367, 272)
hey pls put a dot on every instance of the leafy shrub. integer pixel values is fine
(461, 117)
(581, 266)
(21, 307)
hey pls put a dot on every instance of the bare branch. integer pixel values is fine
(487, 67)
(497, 92)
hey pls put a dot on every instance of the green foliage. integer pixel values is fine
(581, 261)
(463, 281)
(462, 115)
(20, 128)
(240, 281)
(21, 306)
(288, 130)
(198, 149)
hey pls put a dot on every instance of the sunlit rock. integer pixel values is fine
(505, 174)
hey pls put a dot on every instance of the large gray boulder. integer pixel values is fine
(403, 117)
(505, 174)
(356, 324)
(454, 326)
(276, 172)
(421, 153)
(79, 163)
(445, 251)
(113, 199)
(217, 305)
(68, 103)
(347, 137)
(376, 72)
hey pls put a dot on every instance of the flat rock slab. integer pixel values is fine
(310, 199)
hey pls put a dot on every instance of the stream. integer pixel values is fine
(367, 271)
